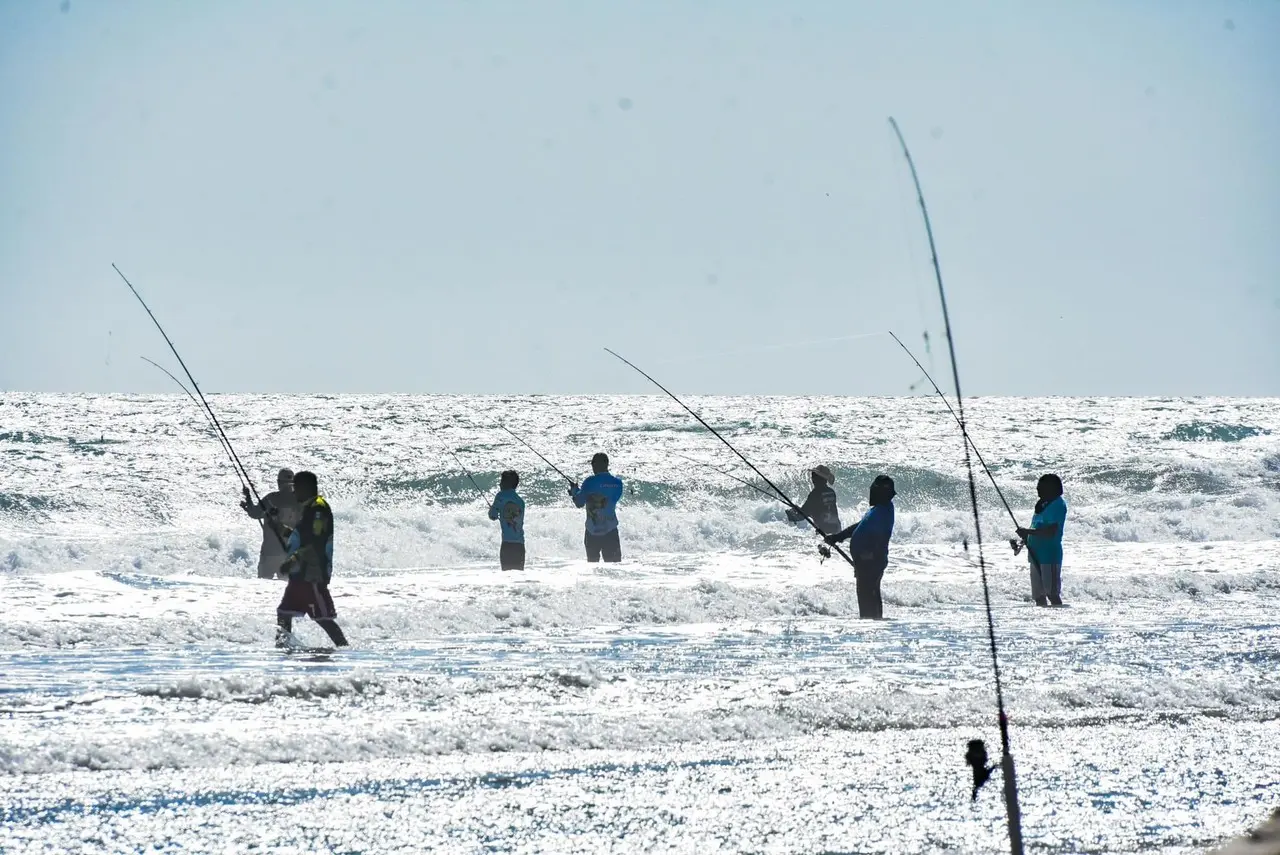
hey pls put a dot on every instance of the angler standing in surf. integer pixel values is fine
(1044, 541)
(821, 506)
(599, 494)
(309, 566)
(277, 510)
(508, 508)
(869, 546)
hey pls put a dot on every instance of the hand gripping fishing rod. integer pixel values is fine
(482, 493)
(194, 385)
(1010, 780)
(1016, 544)
(781, 495)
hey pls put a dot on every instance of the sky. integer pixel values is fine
(478, 197)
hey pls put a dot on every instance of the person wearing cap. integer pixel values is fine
(821, 504)
(277, 511)
(599, 494)
(869, 546)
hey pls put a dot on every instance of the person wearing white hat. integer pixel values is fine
(278, 509)
(821, 505)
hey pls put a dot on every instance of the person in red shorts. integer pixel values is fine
(309, 565)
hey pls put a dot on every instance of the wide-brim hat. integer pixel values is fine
(824, 473)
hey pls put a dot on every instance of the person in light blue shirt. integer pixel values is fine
(599, 494)
(508, 509)
(1044, 541)
(869, 547)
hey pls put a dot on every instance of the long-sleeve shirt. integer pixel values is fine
(508, 508)
(599, 494)
(821, 508)
(869, 537)
(310, 545)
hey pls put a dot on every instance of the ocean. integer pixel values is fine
(714, 692)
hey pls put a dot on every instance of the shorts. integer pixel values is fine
(607, 545)
(511, 556)
(307, 599)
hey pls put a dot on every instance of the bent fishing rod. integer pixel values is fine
(1014, 543)
(194, 385)
(265, 522)
(482, 493)
(781, 495)
(184, 388)
(1012, 807)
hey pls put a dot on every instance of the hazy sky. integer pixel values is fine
(479, 196)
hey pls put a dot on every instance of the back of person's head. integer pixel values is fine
(600, 462)
(882, 490)
(510, 480)
(1052, 483)
(305, 482)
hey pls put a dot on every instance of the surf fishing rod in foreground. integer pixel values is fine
(781, 495)
(196, 386)
(977, 754)
(1016, 544)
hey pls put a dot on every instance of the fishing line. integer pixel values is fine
(208, 409)
(184, 388)
(1010, 780)
(783, 496)
(742, 481)
(482, 493)
(539, 456)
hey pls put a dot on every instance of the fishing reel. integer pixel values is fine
(824, 551)
(976, 758)
(1015, 545)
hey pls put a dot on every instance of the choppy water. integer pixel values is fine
(715, 692)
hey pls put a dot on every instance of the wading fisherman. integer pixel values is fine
(508, 509)
(869, 546)
(277, 510)
(599, 494)
(309, 565)
(1044, 541)
(821, 504)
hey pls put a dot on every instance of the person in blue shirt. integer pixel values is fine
(508, 509)
(1044, 541)
(869, 546)
(599, 494)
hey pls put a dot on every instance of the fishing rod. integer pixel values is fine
(184, 388)
(539, 456)
(208, 409)
(1016, 544)
(482, 493)
(1010, 780)
(263, 522)
(781, 495)
(742, 481)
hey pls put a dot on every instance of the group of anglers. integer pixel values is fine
(297, 541)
